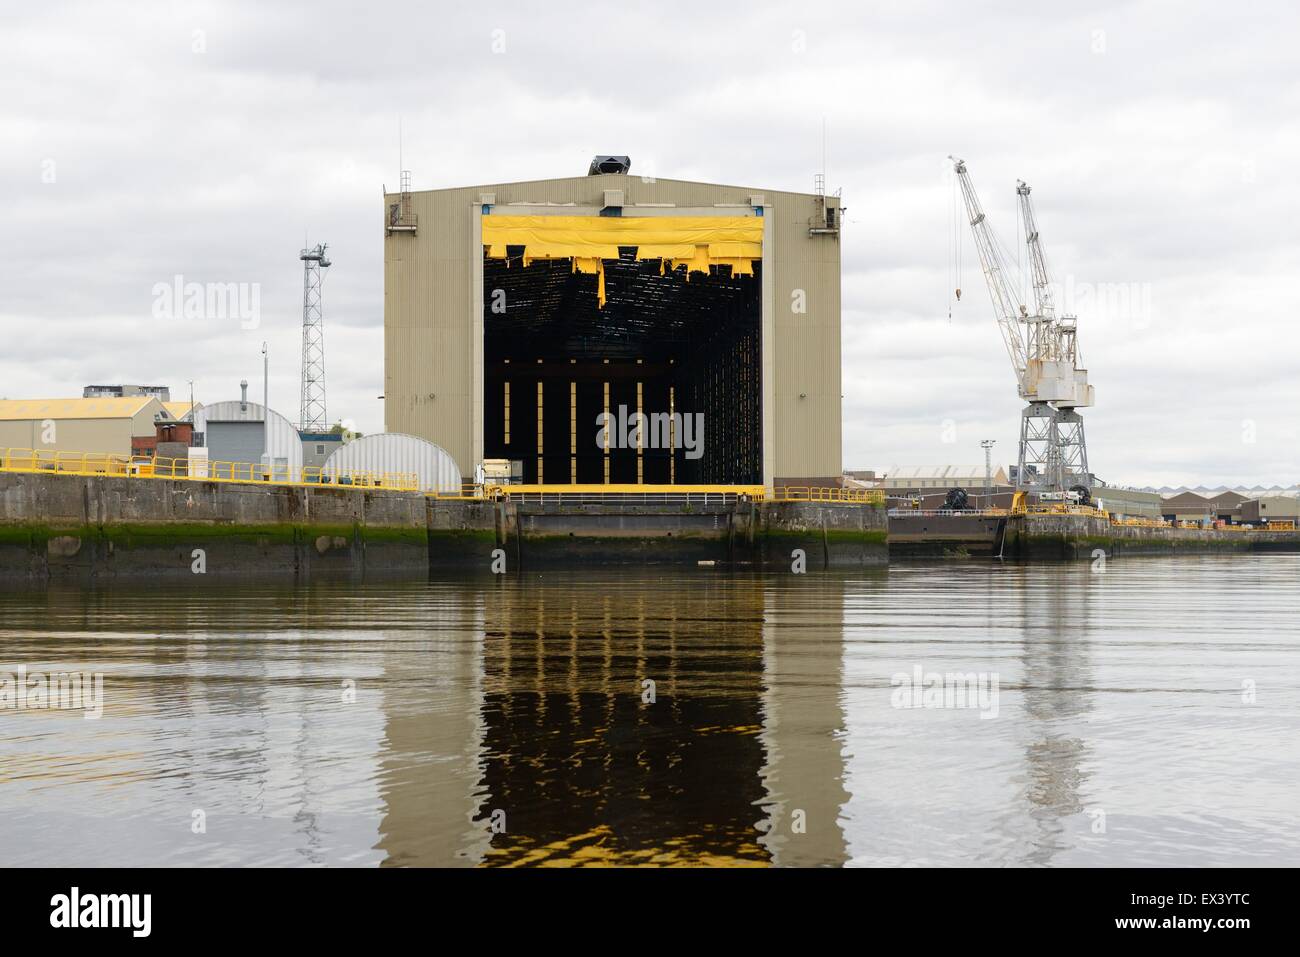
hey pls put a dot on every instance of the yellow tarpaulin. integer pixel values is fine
(696, 242)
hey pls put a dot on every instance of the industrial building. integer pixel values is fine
(433, 469)
(516, 314)
(1271, 508)
(236, 430)
(899, 480)
(317, 447)
(1225, 506)
(160, 392)
(112, 425)
(1127, 502)
(181, 410)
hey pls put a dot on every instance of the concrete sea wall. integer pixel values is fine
(1078, 536)
(101, 527)
(1065, 536)
(67, 526)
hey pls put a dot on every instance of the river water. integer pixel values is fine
(1144, 713)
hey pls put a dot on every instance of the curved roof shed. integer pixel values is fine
(435, 470)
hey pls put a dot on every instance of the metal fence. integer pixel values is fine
(667, 495)
(946, 512)
(805, 493)
(204, 470)
(152, 467)
(690, 495)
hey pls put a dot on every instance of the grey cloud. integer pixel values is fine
(1164, 160)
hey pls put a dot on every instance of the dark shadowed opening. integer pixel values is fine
(674, 345)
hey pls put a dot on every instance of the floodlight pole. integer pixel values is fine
(266, 410)
(987, 446)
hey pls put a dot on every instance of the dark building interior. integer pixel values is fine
(555, 359)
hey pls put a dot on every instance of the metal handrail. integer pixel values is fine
(155, 467)
(673, 493)
(137, 466)
(808, 493)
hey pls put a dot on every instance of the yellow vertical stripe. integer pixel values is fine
(672, 436)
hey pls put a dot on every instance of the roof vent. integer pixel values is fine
(609, 164)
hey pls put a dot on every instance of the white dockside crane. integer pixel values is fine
(1044, 354)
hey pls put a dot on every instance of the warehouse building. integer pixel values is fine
(432, 469)
(1271, 508)
(237, 431)
(111, 425)
(1128, 502)
(536, 322)
(970, 477)
(182, 410)
(1224, 506)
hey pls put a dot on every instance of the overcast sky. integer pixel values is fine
(208, 140)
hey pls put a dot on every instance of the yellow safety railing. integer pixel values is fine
(158, 467)
(468, 491)
(1140, 522)
(805, 493)
(641, 494)
(757, 493)
(104, 463)
(1064, 508)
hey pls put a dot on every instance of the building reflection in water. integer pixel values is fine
(539, 744)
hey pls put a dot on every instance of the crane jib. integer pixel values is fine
(1053, 451)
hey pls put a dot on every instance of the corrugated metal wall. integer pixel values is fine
(393, 452)
(285, 442)
(428, 296)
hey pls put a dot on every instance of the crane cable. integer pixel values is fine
(954, 249)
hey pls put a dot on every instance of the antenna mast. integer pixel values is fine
(312, 417)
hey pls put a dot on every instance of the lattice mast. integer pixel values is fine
(312, 416)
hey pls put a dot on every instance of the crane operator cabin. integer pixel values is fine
(532, 322)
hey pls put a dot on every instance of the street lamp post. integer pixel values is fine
(266, 411)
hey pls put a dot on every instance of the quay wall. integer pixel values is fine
(1078, 536)
(102, 527)
(57, 526)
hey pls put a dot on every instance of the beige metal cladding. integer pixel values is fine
(77, 425)
(432, 362)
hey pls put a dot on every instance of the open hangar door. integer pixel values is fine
(671, 330)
